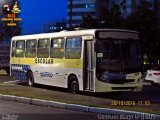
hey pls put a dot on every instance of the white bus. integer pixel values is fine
(95, 60)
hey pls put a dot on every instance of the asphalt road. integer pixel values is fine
(19, 111)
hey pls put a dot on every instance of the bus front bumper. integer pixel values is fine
(108, 87)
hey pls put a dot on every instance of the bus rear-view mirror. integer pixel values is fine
(99, 55)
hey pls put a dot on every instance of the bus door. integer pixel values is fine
(89, 65)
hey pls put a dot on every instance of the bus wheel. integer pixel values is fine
(73, 85)
(30, 79)
(154, 84)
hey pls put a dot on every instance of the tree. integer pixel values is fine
(88, 21)
(111, 18)
(144, 21)
(108, 18)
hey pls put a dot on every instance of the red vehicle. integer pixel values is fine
(4, 57)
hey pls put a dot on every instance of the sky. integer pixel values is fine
(36, 13)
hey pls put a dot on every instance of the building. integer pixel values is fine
(54, 26)
(78, 8)
(127, 6)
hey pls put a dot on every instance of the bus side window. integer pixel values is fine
(73, 48)
(13, 49)
(31, 48)
(43, 48)
(20, 48)
(57, 48)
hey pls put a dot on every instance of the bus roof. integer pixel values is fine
(67, 34)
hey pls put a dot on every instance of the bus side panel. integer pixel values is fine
(19, 68)
(74, 66)
(20, 72)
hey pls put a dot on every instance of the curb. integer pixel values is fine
(8, 97)
(76, 107)
(57, 104)
(39, 102)
(23, 100)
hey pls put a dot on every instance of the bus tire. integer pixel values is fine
(154, 84)
(73, 85)
(30, 79)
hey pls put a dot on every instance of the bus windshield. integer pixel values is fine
(116, 55)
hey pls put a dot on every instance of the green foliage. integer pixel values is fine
(108, 18)
(144, 21)
(88, 21)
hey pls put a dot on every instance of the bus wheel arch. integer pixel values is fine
(7, 71)
(30, 78)
(73, 84)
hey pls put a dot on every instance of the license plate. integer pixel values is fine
(150, 74)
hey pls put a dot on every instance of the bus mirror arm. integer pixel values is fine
(95, 45)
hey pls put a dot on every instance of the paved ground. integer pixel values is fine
(4, 76)
(146, 101)
(20, 111)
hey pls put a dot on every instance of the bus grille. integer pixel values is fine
(121, 81)
(123, 88)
